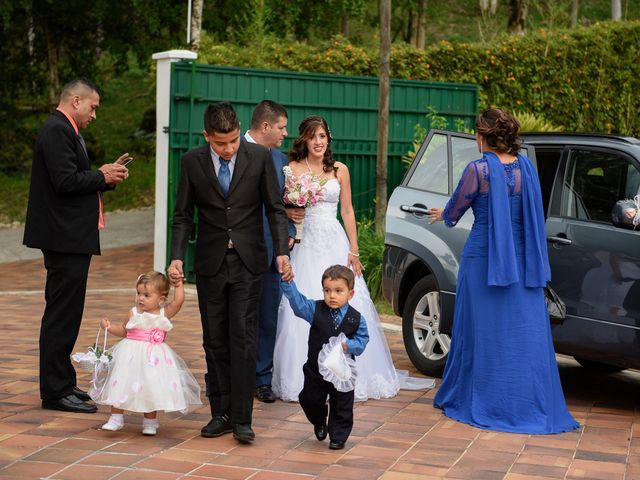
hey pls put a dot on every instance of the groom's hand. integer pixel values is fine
(176, 275)
(284, 267)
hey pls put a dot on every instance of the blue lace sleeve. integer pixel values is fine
(463, 195)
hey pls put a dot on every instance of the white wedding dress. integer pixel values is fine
(325, 243)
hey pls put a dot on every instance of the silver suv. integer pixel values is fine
(595, 265)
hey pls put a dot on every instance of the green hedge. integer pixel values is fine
(583, 79)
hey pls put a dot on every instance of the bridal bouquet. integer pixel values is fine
(303, 191)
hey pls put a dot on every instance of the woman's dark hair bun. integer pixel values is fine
(500, 130)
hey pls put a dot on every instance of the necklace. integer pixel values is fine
(310, 170)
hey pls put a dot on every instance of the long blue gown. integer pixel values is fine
(501, 372)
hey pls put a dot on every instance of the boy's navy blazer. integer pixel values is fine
(237, 217)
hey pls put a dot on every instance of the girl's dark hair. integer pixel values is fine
(500, 130)
(306, 130)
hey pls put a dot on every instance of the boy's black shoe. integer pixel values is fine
(336, 444)
(265, 394)
(320, 431)
(218, 425)
(243, 433)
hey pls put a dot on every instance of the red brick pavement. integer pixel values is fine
(399, 438)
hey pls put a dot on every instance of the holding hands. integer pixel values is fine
(284, 267)
(175, 272)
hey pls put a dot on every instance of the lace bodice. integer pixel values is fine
(327, 207)
(475, 182)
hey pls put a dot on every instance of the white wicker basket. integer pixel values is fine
(88, 360)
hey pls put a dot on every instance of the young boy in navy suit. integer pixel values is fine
(329, 318)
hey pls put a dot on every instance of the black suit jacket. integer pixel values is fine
(62, 213)
(237, 218)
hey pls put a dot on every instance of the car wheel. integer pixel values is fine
(426, 347)
(598, 366)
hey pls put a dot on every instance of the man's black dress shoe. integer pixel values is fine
(243, 433)
(265, 394)
(217, 426)
(336, 444)
(81, 394)
(320, 431)
(70, 403)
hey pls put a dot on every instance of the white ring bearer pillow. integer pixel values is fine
(337, 367)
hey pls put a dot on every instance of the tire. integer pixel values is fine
(426, 347)
(598, 366)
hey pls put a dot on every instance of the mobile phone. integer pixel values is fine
(127, 161)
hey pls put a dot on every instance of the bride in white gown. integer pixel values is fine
(325, 243)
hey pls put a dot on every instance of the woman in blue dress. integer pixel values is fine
(501, 372)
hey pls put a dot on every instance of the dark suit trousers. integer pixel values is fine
(268, 324)
(313, 400)
(228, 304)
(64, 295)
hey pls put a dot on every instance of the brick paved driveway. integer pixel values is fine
(399, 438)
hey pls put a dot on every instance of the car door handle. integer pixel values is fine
(415, 209)
(559, 240)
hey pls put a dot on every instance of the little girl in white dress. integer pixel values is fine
(146, 375)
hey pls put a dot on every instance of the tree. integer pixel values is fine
(383, 114)
(417, 28)
(616, 10)
(196, 24)
(488, 7)
(575, 4)
(517, 17)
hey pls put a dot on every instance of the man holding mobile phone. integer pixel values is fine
(64, 215)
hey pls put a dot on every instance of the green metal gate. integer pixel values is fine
(349, 104)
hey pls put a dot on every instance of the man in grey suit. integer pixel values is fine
(229, 180)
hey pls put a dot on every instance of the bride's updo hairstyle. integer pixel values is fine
(500, 130)
(306, 131)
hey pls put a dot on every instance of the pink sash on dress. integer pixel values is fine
(153, 336)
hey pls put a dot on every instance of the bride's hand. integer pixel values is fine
(355, 265)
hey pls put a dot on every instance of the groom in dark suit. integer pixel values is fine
(64, 214)
(229, 180)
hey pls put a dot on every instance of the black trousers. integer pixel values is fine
(228, 303)
(64, 295)
(313, 400)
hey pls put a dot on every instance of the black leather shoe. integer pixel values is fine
(336, 444)
(70, 403)
(320, 431)
(217, 426)
(265, 394)
(81, 394)
(243, 433)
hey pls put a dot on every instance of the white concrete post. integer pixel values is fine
(163, 102)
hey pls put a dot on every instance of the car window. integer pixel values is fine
(594, 182)
(464, 150)
(431, 172)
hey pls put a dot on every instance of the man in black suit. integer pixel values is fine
(64, 215)
(229, 180)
